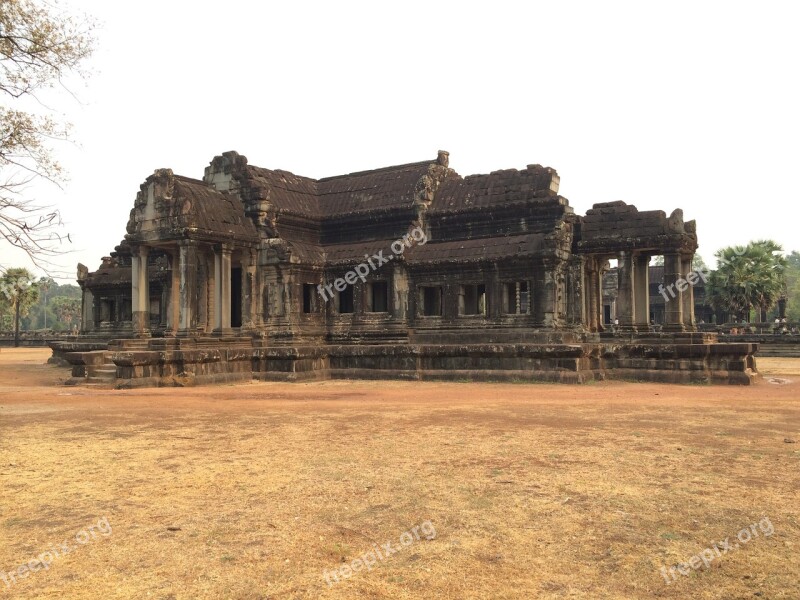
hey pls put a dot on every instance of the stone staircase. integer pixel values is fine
(104, 373)
(92, 368)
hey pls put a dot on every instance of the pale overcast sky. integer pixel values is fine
(682, 104)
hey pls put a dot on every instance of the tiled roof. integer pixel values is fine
(478, 249)
(110, 275)
(499, 187)
(370, 190)
(343, 194)
(204, 208)
(286, 190)
(345, 253)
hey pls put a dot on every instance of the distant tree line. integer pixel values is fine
(27, 304)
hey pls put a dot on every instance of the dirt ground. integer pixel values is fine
(271, 490)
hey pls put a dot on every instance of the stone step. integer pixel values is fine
(112, 371)
(99, 381)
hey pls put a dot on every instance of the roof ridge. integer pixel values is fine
(190, 180)
(282, 171)
(378, 170)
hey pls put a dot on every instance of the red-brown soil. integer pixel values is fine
(534, 491)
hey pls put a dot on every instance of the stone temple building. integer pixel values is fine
(410, 271)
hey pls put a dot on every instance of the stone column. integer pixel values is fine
(626, 296)
(546, 308)
(673, 307)
(174, 294)
(399, 292)
(87, 310)
(593, 304)
(688, 293)
(641, 267)
(217, 290)
(576, 292)
(140, 292)
(187, 276)
(250, 312)
(602, 267)
(135, 267)
(222, 289)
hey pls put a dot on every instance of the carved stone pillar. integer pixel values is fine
(187, 276)
(222, 289)
(626, 296)
(250, 313)
(87, 310)
(641, 276)
(575, 292)
(546, 305)
(688, 293)
(602, 267)
(174, 294)
(140, 292)
(673, 296)
(593, 308)
(399, 291)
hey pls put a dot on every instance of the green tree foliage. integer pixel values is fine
(67, 311)
(45, 313)
(39, 48)
(698, 264)
(793, 286)
(19, 292)
(747, 277)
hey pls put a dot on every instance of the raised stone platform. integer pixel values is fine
(567, 358)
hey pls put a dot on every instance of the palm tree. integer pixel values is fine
(771, 268)
(19, 292)
(727, 288)
(752, 276)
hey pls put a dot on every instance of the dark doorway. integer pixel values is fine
(346, 300)
(607, 314)
(236, 297)
(379, 296)
(431, 301)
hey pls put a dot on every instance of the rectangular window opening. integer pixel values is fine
(309, 298)
(379, 296)
(473, 299)
(346, 300)
(516, 298)
(431, 301)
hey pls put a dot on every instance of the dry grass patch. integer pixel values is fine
(535, 491)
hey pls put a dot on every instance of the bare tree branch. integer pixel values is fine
(39, 47)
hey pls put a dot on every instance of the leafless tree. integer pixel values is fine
(39, 48)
